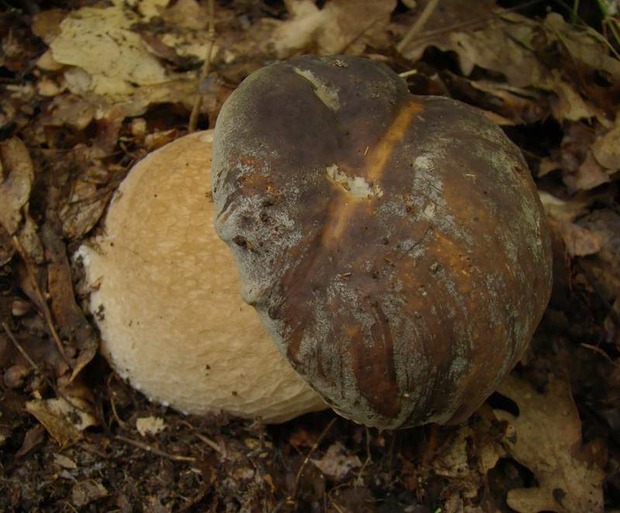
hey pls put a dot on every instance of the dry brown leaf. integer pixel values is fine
(526, 52)
(583, 45)
(547, 440)
(589, 174)
(85, 492)
(338, 462)
(606, 149)
(46, 24)
(605, 266)
(188, 14)
(341, 26)
(503, 45)
(520, 105)
(578, 240)
(16, 176)
(467, 458)
(62, 420)
(83, 209)
(69, 110)
(152, 8)
(150, 425)
(34, 437)
(580, 170)
(105, 55)
(566, 102)
(70, 318)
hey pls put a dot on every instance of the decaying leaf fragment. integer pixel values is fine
(547, 440)
(481, 38)
(579, 241)
(70, 318)
(604, 267)
(606, 149)
(106, 56)
(467, 458)
(16, 176)
(340, 25)
(337, 463)
(62, 419)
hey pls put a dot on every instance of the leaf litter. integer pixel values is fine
(93, 87)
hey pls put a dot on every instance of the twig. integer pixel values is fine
(415, 29)
(42, 301)
(310, 453)
(115, 414)
(19, 347)
(598, 350)
(368, 459)
(211, 443)
(356, 37)
(206, 67)
(155, 450)
(34, 365)
(479, 20)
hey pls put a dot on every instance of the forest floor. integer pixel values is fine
(87, 88)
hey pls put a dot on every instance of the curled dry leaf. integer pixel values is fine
(566, 103)
(337, 463)
(62, 419)
(187, 14)
(547, 440)
(150, 425)
(70, 318)
(480, 38)
(605, 265)
(579, 241)
(467, 458)
(520, 49)
(69, 110)
(83, 209)
(85, 492)
(606, 149)
(105, 55)
(35, 436)
(16, 176)
(580, 170)
(341, 26)
(585, 59)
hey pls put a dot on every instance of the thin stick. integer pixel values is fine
(206, 68)
(418, 25)
(205, 439)
(467, 24)
(155, 450)
(360, 474)
(19, 347)
(47, 314)
(598, 350)
(34, 365)
(115, 414)
(310, 453)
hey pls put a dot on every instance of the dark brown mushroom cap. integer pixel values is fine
(393, 245)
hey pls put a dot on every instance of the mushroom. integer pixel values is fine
(393, 245)
(165, 295)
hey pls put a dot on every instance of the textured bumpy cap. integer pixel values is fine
(393, 245)
(165, 293)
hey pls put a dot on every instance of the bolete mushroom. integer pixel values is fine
(165, 295)
(393, 245)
